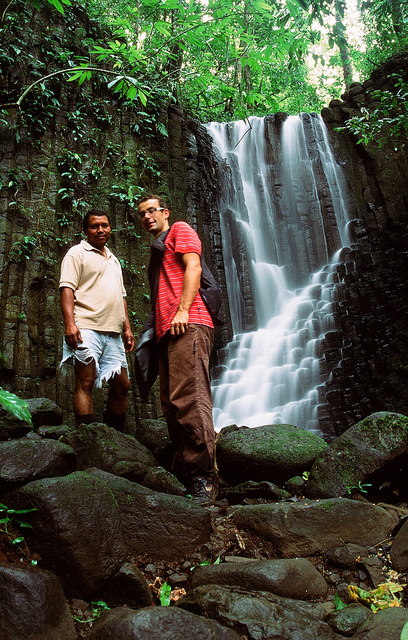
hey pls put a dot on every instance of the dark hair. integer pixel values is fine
(93, 212)
(152, 196)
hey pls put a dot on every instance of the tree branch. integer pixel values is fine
(56, 73)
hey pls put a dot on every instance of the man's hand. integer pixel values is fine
(179, 324)
(72, 336)
(128, 340)
(191, 283)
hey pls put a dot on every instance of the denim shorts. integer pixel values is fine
(106, 349)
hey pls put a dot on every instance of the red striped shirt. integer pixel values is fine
(180, 239)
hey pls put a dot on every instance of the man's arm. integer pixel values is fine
(128, 337)
(72, 332)
(191, 285)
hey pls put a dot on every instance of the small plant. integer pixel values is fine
(13, 517)
(164, 596)
(22, 249)
(361, 486)
(96, 609)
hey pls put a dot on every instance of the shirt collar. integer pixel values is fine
(89, 247)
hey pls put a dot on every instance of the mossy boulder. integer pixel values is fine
(273, 452)
(378, 442)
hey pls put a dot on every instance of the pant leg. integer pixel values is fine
(186, 400)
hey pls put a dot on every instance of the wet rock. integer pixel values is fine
(348, 620)
(76, 529)
(44, 411)
(399, 549)
(360, 451)
(128, 586)
(271, 452)
(12, 427)
(253, 490)
(308, 527)
(347, 555)
(98, 445)
(25, 460)
(154, 434)
(32, 605)
(157, 623)
(163, 481)
(258, 615)
(164, 526)
(53, 432)
(296, 578)
(384, 625)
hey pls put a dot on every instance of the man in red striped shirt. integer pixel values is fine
(185, 333)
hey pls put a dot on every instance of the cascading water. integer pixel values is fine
(277, 230)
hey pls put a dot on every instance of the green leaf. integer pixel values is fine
(165, 592)
(142, 97)
(338, 602)
(404, 632)
(163, 28)
(15, 405)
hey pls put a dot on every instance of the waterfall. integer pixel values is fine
(281, 234)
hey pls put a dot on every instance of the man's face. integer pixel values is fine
(98, 231)
(154, 219)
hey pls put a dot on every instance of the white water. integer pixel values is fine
(272, 374)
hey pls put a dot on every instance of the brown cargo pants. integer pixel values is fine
(185, 395)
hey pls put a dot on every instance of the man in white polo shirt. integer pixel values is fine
(97, 328)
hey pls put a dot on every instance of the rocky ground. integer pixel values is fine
(227, 545)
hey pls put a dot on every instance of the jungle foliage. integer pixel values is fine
(230, 59)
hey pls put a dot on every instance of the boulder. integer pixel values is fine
(161, 525)
(384, 625)
(89, 523)
(362, 450)
(44, 411)
(32, 605)
(128, 587)
(154, 434)
(294, 578)
(399, 549)
(254, 490)
(163, 481)
(76, 529)
(347, 621)
(258, 615)
(271, 452)
(98, 445)
(157, 623)
(25, 460)
(314, 526)
(12, 427)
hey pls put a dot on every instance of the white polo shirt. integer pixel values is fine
(98, 287)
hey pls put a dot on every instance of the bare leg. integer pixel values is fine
(85, 379)
(119, 386)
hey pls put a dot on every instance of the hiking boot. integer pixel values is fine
(203, 490)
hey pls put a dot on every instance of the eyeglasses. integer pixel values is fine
(150, 211)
